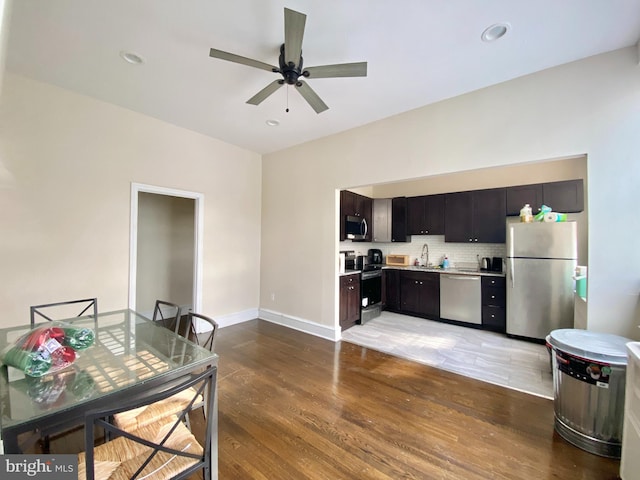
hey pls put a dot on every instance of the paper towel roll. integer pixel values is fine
(550, 217)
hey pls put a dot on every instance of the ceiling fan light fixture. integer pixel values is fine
(132, 58)
(272, 122)
(495, 31)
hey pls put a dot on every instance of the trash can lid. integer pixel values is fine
(599, 347)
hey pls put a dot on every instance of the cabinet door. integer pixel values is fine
(399, 220)
(415, 215)
(392, 284)
(410, 292)
(458, 225)
(564, 197)
(434, 214)
(349, 300)
(489, 212)
(430, 295)
(381, 220)
(520, 195)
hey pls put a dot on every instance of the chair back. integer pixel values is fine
(206, 339)
(63, 310)
(164, 450)
(165, 312)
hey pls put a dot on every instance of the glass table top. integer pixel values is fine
(128, 349)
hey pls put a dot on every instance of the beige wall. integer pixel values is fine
(590, 107)
(165, 252)
(70, 161)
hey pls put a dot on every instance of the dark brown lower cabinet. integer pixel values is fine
(349, 300)
(391, 287)
(420, 294)
(494, 304)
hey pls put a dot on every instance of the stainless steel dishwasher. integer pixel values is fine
(461, 298)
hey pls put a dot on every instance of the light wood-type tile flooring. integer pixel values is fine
(479, 354)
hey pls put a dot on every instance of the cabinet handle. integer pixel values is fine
(420, 283)
(493, 316)
(426, 231)
(471, 239)
(493, 282)
(476, 240)
(493, 296)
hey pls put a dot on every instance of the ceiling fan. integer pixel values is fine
(290, 65)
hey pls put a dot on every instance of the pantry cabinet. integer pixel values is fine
(425, 215)
(349, 300)
(477, 216)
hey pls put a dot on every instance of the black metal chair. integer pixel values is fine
(157, 411)
(166, 312)
(163, 450)
(87, 303)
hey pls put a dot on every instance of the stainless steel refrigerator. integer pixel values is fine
(541, 260)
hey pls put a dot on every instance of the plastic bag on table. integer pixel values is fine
(47, 348)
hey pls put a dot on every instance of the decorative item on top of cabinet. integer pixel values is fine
(425, 215)
(399, 220)
(477, 216)
(349, 300)
(494, 304)
(356, 205)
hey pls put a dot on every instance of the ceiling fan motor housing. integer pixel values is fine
(290, 72)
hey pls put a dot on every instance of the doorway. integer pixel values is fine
(165, 248)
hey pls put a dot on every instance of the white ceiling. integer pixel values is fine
(418, 52)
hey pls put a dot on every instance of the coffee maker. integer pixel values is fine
(375, 256)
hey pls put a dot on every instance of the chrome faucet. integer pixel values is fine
(424, 256)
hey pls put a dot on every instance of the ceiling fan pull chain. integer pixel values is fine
(287, 110)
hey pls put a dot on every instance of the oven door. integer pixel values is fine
(371, 288)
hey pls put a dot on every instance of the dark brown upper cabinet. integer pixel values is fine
(520, 195)
(399, 220)
(476, 217)
(565, 197)
(425, 215)
(358, 206)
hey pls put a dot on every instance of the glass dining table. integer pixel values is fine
(130, 355)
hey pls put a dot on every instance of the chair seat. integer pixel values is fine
(155, 412)
(120, 458)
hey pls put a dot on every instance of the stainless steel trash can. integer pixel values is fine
(589, 371)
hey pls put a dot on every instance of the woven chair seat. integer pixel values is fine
(155, 412)
(120, 458)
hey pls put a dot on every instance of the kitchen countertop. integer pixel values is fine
(452, 270)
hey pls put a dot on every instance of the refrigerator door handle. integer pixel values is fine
(512, 274)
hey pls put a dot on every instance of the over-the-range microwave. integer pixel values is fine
(355, 228)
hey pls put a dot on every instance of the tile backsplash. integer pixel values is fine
(460, 254)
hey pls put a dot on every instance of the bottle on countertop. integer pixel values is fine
(445, 262)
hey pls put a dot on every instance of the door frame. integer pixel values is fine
(137, 188)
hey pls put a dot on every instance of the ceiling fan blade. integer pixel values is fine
(340, 70)
(293, 33)
(312, 97)
(259, 97)
(232, 57)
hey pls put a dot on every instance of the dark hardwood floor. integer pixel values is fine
(294, 406)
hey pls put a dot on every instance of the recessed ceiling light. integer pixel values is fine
(132, 58)
(494, 32)
(272, 123)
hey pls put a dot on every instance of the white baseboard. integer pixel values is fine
(300, 324)
(235, 318)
